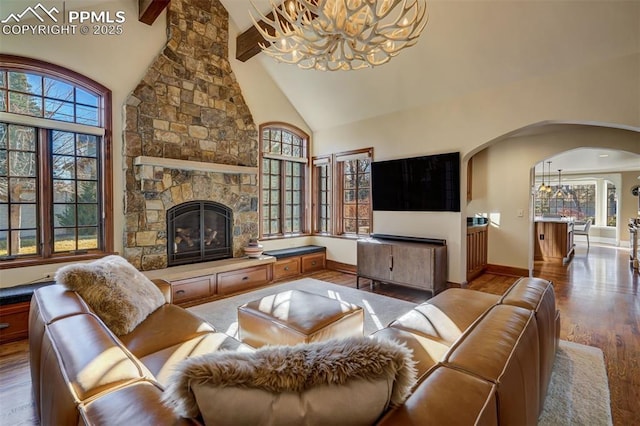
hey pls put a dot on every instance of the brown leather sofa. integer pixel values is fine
(482, 358)
(83, 374)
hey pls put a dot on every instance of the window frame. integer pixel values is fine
(304, 185)
(318, 162)
(45, 126)
(337, 202)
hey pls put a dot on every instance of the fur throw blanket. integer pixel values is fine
(116, 291)
(297, 368)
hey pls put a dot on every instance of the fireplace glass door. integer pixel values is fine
(199, 231)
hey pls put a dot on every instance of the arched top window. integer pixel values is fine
(284, 155)
(55, 167)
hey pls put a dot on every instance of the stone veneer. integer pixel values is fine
(189, 107)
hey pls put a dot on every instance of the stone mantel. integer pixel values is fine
(172, 163)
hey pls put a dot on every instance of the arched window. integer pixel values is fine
(284, 152)
(55, 166)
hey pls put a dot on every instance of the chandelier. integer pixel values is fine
(340, 34)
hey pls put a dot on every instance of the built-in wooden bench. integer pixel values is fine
(14, 311)
(294, 261)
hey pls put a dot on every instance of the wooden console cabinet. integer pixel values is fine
(410, 262)
(477, 250)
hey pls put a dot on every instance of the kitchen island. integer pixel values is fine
(553, 239)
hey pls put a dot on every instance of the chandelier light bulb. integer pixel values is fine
(340, 34)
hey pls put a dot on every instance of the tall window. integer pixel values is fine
(342, 193)
(354, 172)
(612, 204)
(284, 152)
(322, 202)
(55, 200)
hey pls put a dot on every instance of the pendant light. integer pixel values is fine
(560, 191)
(542, 186)
(549, 186)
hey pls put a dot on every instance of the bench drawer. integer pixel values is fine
(192, 288)
(288, 267)
(243, 279)
(14, 322)
(313, 262)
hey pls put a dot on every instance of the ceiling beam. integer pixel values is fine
(149, 10)
(248, 43)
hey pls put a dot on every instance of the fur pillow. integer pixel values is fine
(349, 382)
(116, 291)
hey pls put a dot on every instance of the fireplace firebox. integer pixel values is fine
(199, 231)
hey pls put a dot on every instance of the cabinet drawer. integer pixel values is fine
(243, 279)
(313, 262)
(192, 288)
(287, 267)
(14, 322)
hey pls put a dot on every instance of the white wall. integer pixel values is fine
(604, 92)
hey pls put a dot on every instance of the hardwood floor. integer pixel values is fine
(597, 294)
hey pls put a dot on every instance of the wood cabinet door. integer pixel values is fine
(412, 265)
(193, 288)
(313, 262)
(14, 322)
(374, 260)
(288, 267)
(243, 279)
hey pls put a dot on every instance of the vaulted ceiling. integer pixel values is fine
(467, 46)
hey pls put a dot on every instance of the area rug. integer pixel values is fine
(578, 392)
(379, 310)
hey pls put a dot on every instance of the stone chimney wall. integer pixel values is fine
(188, 107)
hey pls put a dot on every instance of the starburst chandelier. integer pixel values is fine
(340, 34)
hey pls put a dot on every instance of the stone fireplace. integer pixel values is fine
(189, 138)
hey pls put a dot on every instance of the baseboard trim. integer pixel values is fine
(508, 271)
(341, 267)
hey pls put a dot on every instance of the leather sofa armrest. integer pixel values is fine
(165, 288)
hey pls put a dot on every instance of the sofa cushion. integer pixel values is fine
(315, 383)
(80, 359)
(167, 326)
(116, 407)
(426, 352)
(503, 348)
(447, 315)
(450, 397)
(537, 294)
(162, 363)
(116, 291)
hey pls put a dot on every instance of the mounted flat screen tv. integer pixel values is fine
(429, 183)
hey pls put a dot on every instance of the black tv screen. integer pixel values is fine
(429, 183)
